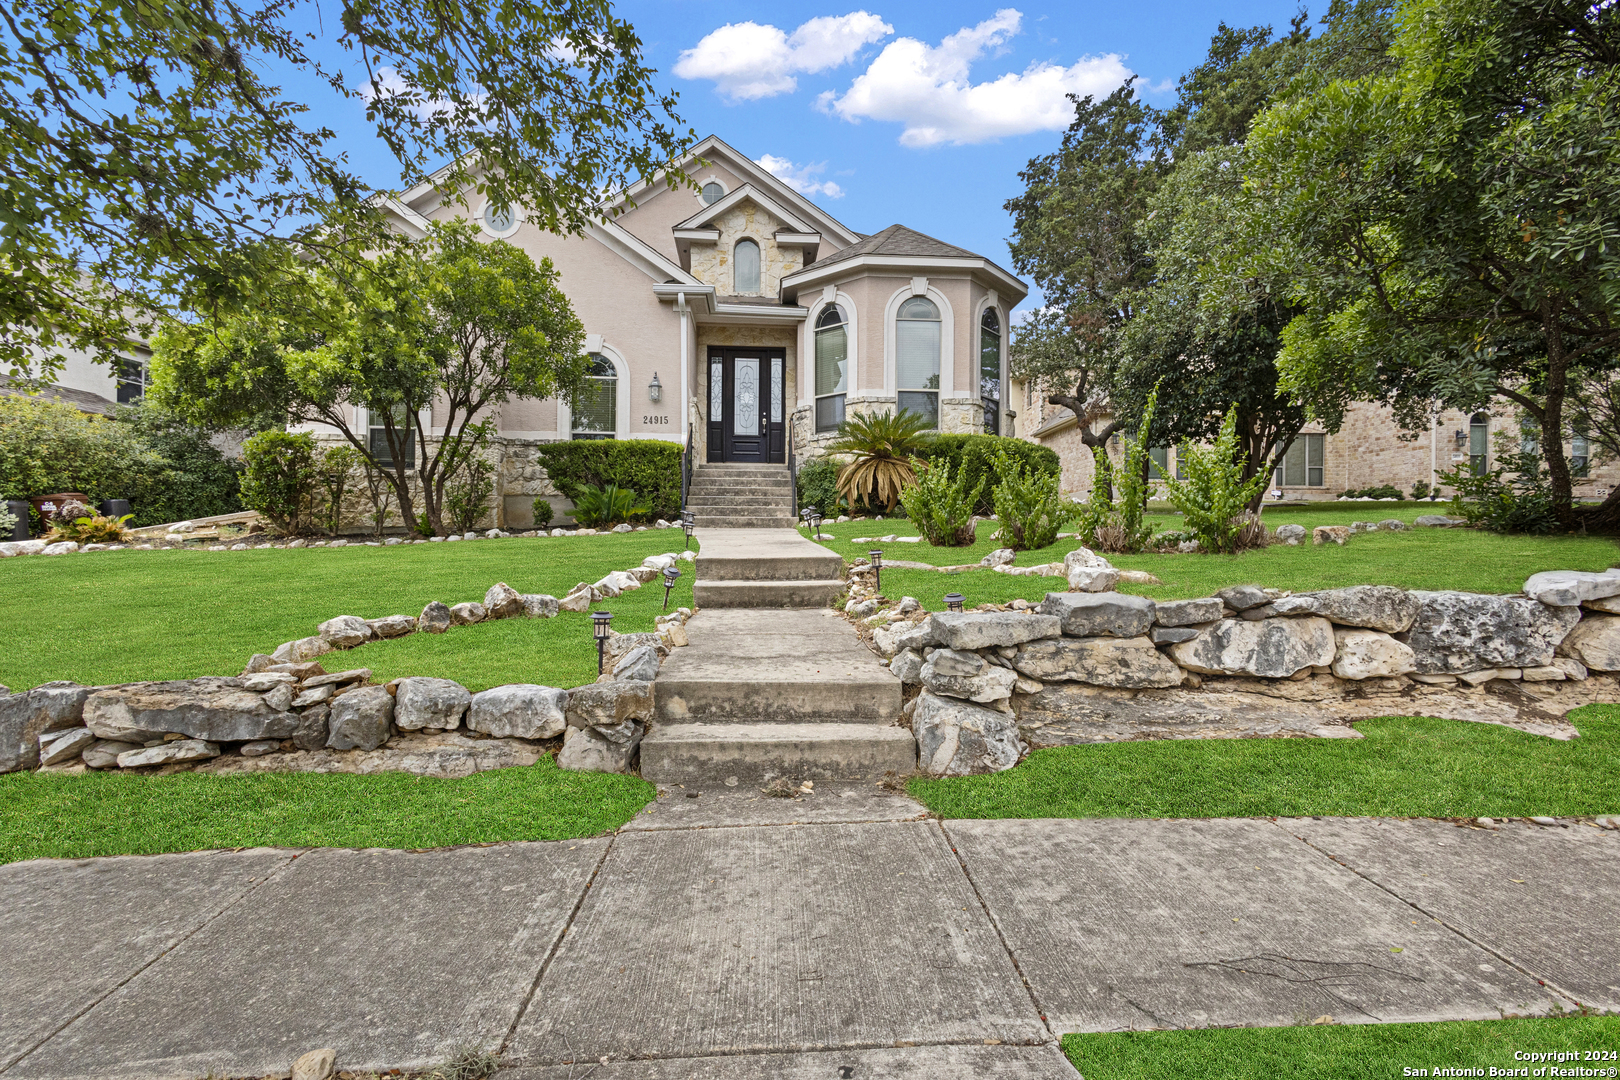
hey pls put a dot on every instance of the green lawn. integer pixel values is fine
(1466, 559)
(1341, 1052)
(127, 616)
(75, 817)
(1404, 767)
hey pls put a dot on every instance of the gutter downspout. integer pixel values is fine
(686, 396)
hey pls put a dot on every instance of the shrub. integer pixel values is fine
(818, 485)
(542, 513)
(607, 506)
(1029, 506)
(973, 458)
(883, 446)
(1119, 525)
(46, 446)
(278, 478)
(1514, 497)
(943, 507)
(8, 522)
(1422, 490)
(93, 529)
(1214, 498)
(192, 478)
(649, 466)
(333, 470)
(1382, 491)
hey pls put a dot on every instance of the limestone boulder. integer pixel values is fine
(169, 753)
(60, 747)
(957, 738)
(659, 563)
(210, 709)
(1392, 525)
(345, 631)
(1169, 635)
(467, 614)
(28, 714)
(1568, 588)
(1267, 648)
(1330, 534)
(1595, 643)
(1374, 607)
(103, 754)
(1188, 612)
(279, 698)
(264, 681)
(1457, 632)
(1089, 579)
(1290, 534)
(1365, 654)
(1438, 521)
(435, 618)
(966, 675)
(301, 651)
(999, 557)
(392, 626)
(971, 630)
(361, 719)
(519, 711)
(1084, 557)
(312, 728)
(640, 664)
(619, 646)
(609, 704)
(429, 703)
(578, 600)
(907, 666)
(540, 606)
(503, 602)
(1083, 614)
(588, 750)
(1242, 597)
(920, 635)
(1127, 663)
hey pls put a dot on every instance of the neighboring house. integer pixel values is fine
(744, 319)
(89, 386)
(1367, 450)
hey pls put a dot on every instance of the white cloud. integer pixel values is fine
(800, 179)
(747, 61)
(929, 89)
(390, 87)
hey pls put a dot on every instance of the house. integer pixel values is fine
(736, 316)
(87, 385)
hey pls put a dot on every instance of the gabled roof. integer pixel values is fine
(749, 193)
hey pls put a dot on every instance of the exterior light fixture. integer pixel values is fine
(600, 621)
(954, 602)
(1461, 437)
(688, 523)
(877, 569)
(670, 574)
(812, 519)
(655, 389)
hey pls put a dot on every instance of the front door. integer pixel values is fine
(747, 405)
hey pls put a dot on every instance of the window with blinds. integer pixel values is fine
(1302, 463)
(916, 358)
(596, 409)
(832, 367)
(1158, 462)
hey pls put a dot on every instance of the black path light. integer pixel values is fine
(954, 601)
(670, 574)
(877, 568)
(600, 621)
(688, 523)
(812, 519)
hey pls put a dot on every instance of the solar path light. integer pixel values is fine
(600, 621)
(877, 569)
(954, 602)
(688, 523)
(670, 574)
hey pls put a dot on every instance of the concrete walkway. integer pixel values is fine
(855, 944)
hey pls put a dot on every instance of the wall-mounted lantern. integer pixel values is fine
(655, 389)
(1461, 436)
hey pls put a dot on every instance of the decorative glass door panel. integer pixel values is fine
(748, 406)
(745, 397)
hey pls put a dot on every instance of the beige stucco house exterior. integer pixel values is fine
(739, 317)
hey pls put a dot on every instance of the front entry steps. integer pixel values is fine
(760, 753)
(739, 496)
(764, 568)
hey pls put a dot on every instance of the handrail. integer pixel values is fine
(686, 465)
(793, 474)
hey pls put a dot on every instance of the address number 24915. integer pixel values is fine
(654, 419)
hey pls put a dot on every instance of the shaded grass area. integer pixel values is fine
(1335, 1052)
(127, 616)
(1404, 767)
(75, 817)
(1466, 559)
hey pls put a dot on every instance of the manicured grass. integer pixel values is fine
(76, 817)
(1468, 559)
(128, 616)
(1336, 1052)
(1404, 767)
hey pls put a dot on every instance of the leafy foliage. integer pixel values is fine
(942, 506)
(46, 446)
(542, 513)
(1514, 497)
(1383, 491)
(1030, 507)
(1120, 525)
(190, 477)
(608, 505)
(281, 478)
(8, 521)
(818, 485)
(142, 146)
(1214, 497)
(883, 445)
(649, 466)
(471, 479)
(973, 457)
(334, 469)
(91, 529)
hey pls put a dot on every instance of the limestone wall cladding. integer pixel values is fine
(712, 263)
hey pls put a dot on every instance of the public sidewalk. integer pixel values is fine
(861, 942)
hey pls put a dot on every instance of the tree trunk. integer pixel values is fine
(1090, 439)
(1552, 417)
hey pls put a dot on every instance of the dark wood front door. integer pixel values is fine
(747, 405)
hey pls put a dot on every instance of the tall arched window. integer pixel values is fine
(1479, 442)
(745, 268)
(596, 410)
(990, 370)
(832, 367)
(916, 358)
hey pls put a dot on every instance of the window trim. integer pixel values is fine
(939, 350)
(387, 462)
(717, 182)
(847, 322)
(142, 378)
(1479, 463)
(947, 341)
(490, 230)
(759, 267)
(1280, 477)
(565, 413)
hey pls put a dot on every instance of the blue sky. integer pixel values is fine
(918, 113)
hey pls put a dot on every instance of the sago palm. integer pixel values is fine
(883, 446)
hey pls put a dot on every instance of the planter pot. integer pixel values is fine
(19, 509)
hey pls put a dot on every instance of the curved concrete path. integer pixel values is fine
(842, 947)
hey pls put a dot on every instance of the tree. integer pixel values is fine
(1450, 228)
(449, 326)
(142, 149)
(1047, 352)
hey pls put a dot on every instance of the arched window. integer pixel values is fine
(596, 410)
(712, 193)
(745, 268)
(916, 358)
(1479, 442)
(832, 367)
(990, 370)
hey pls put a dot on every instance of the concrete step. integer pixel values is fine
(723, 520)
(808, 567)
(766, 594)
(758, 753)
(750, 498)
(716, 468)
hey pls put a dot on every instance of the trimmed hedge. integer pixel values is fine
(973, 457)
(818, 485)
(649, 467)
